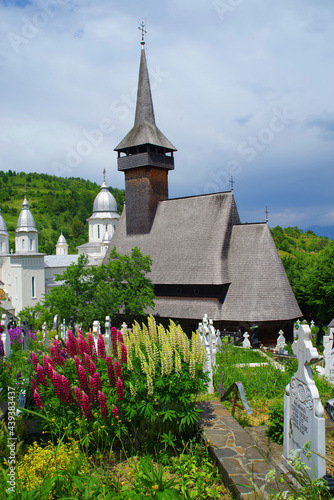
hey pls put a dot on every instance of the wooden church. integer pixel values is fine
(228, 270)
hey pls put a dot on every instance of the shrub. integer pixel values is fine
(41, 463)
(276, 420)
(145, 387)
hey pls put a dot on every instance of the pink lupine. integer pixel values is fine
(93, 389)
(82, 376)
(101, 348)
(47, 359)
(34, 359)
(120, 337)
(78, 397)
(103, 405)
(119, 389)
(71, 345)
(86, 406)
(114, 411)
(41, 375)
(48, 368)
(114, 341)
(79, 332)
(111, 372)
(38, 400)
(67, 389)
(92, 367)
(117, 368)
(92, 348)
(86, 359)
(34, 384)
(55, 351)
(57, 384)
(82, 345)
(77, 362)
(97, 379)
(124, 354)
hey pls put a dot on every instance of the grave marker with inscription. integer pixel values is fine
(303, 411)
(329, 358)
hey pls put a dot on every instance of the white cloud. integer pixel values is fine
(221, 81)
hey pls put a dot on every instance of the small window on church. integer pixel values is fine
(0, 246)
(98, 231)
(33, 287)
(31, 244)
(106, 227)
(22, 245)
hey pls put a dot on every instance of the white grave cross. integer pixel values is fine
(303, 411)
(246, 343)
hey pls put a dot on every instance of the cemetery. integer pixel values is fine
(147, 411)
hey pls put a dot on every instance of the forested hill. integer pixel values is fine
(293, 242)
(55, 203)
(309, 263)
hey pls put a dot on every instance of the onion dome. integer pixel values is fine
(61, 240)
(104, 201)
(3, 227)
(26, 221)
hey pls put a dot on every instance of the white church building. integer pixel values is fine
(27, 274)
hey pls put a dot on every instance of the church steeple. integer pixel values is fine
(145, 155)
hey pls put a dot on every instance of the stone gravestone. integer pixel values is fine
(5, 335)
(107, 326)
(303, 411)
(329, 358)
(254, 340)
(320, 335)
(281, 343)
(72, 327)
(45, 335)
(56, 324)
(25, 330)
(205, 341)
(296, 330)
(96, 331)
(246, 344)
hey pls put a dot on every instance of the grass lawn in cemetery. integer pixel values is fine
(264, 389)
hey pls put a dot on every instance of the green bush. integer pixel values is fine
(276, 421)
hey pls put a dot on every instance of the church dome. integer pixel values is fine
(26, 221)
(104, 201)
(61, 239)
(3, 227)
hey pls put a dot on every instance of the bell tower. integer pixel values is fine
(145, 156)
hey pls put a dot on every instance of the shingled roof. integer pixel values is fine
(199, 241)
(189, 239)
(259, 289)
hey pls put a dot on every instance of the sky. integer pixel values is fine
(242, 88)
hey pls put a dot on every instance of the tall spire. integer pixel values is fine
(145, 156)
(144, 130)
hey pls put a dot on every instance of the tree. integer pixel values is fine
(312, 279)
(90, 293)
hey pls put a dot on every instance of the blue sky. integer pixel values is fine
(240, 87)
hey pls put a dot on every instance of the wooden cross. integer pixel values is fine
(143, 32)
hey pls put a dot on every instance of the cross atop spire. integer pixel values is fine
(104, 175)
(143, 33)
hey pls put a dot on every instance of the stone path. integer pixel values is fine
(236, 452)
